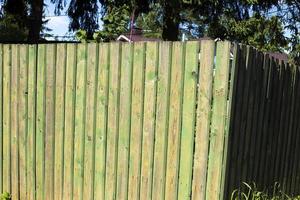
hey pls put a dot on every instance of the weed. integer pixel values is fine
(5, 196)
(252, 193)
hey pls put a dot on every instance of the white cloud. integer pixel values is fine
(58, 24)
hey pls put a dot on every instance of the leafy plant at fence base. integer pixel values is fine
(250, 192)
(5, 196)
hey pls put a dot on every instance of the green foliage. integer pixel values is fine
(250, 192)
(258, 31)
(151, 22)
(260, 23)
(115, 22)
(295, 52)
(83, 15)
(22, 21)
(11, 31)
(5, 196)
(81, 35)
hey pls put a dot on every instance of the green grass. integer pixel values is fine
(5, 196)
(250, 192)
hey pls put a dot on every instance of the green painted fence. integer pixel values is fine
(113, 120)
(147, 120)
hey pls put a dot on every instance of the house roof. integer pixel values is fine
(135, 38)
(136, 35)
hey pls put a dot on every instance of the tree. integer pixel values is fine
(171, 20)
(8, 25)
(26, 15)
(290, 15)
(35, 23)
(151, 22)
(262, 33)
(13, 20)
(17, 9)
(170, 11)
(83, 15)
(261, 23)
(115, 23)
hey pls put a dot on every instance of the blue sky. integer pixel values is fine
(58, 24)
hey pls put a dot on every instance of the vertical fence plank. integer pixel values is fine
(205, 78)
(137, 119)
(124, 121)
(247, 119)
(285, 157)
(112, 124)
(149, 120)
(161, 128)
(232, 164)
(14, 122)
(292, 135)
(276, 127)
(31, 122)
(269, 96)
(60, 80)
(188, 120)
(261, 116)
(275, 88)
(255, 134)
(6, 118)
(234, 68)
(89, 122)
(297, 178)
(241, 126)
(22, 119)
(218, 120)
(69, 120)
(295, 140)
(175, 109)
(49, 123)
(1, 118)
(294, 186)
(101, 121)
(277, 123)
(234, 80)
(40, 121)
(79, 131)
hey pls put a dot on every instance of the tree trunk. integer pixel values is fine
(171, 20)
(36, 21)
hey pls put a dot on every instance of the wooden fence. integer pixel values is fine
(264, 139)
(144, 120)
(114, 120)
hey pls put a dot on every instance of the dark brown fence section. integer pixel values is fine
(264, 125)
